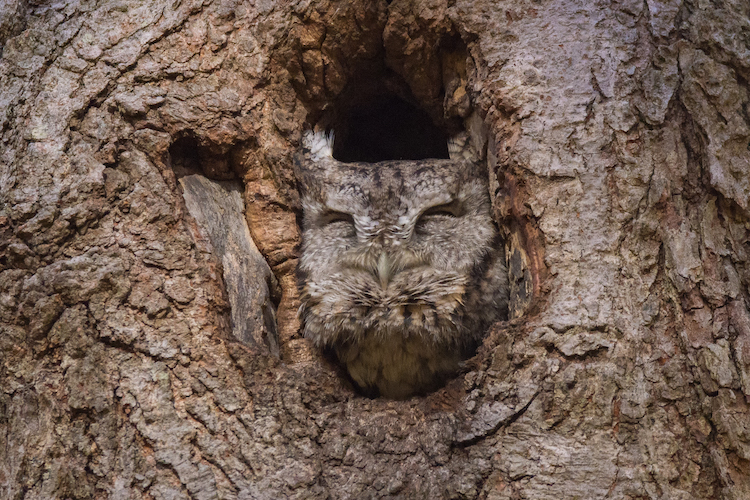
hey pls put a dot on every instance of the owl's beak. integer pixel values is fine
(384, 269)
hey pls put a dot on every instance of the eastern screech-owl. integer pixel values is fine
(401, 269)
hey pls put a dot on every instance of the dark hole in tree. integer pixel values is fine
(189, 157)
(185, 157)
(387, 128)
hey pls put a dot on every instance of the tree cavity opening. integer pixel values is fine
(387, 127)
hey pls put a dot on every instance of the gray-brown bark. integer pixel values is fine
(618, 146)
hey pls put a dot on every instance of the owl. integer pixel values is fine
(401, 268)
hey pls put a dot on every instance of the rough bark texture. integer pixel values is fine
(618, 146)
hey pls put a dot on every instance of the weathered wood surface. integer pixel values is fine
(219, 210)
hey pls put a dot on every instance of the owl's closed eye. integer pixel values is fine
(401, 268)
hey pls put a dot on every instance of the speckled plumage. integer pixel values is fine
(401, 269)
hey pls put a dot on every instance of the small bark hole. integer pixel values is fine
(188, 157)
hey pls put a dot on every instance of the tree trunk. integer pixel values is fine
(148, 351)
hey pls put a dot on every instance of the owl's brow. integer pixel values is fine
(343, 206)
(347, 201)
(416, 207)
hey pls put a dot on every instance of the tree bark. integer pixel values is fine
(619, 156)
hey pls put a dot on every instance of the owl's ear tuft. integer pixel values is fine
(318, 144)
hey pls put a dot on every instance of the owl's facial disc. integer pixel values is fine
(392, 236)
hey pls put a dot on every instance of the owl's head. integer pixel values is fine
(389, 248)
